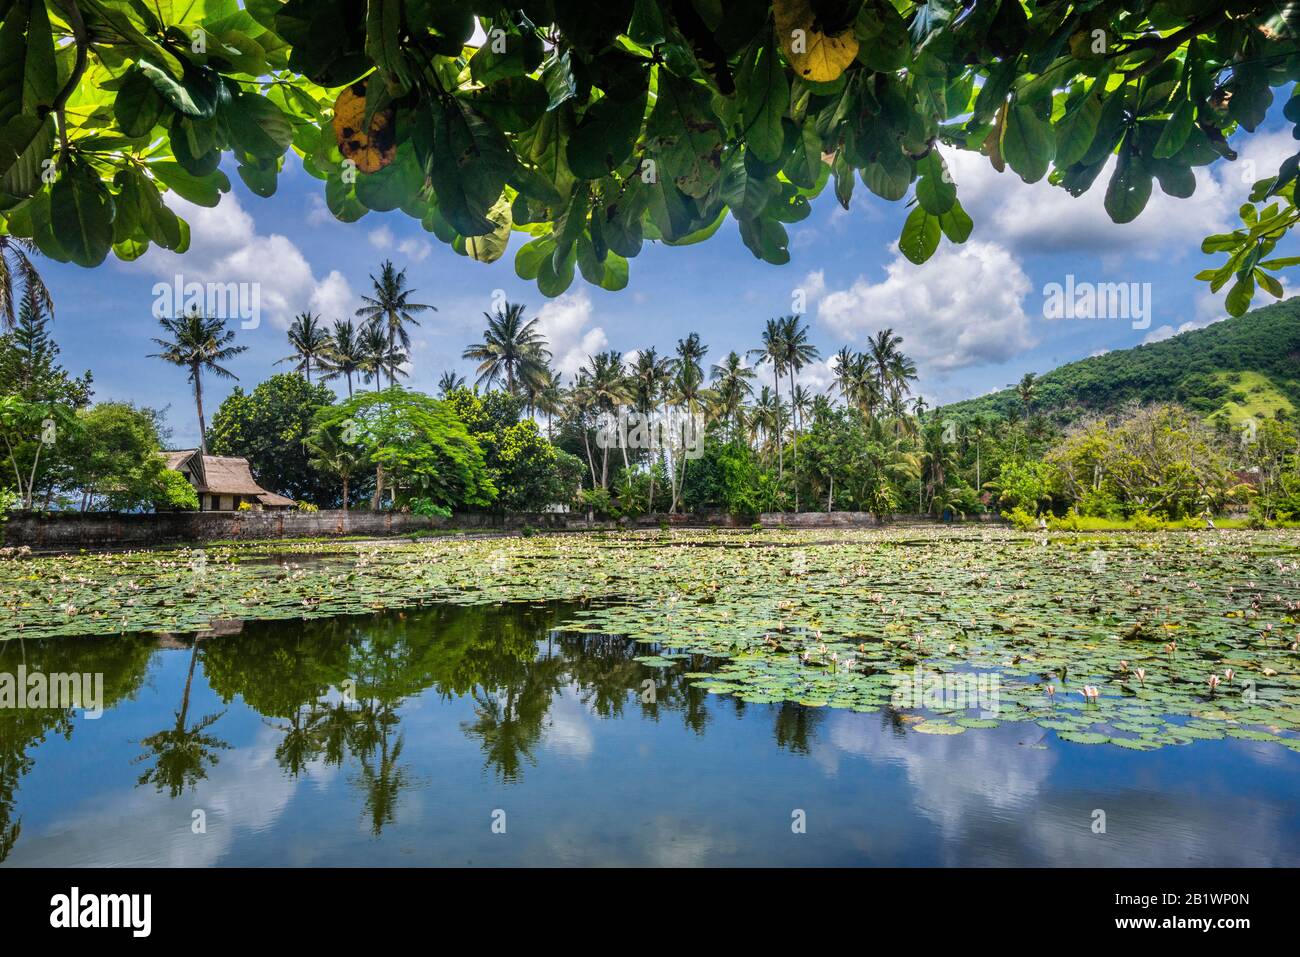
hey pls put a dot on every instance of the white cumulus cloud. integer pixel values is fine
(227, 248)
(566, 323)
(965, 306)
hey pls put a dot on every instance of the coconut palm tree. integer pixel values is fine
(331, 454)
(1027, 390)
(773, 351)
(345, 356)
(606, 388)
(731, 385)
(649, 377)
(550, 398)
(311, 343)
(198, 343)
(512, 349)
(687, 391)
(796, 352)
(582, 406)
(392, 308)
(844, 363)
(902, 372)
(766, 419)
(17, 269)
(449, 382)
(882, 347)
(378, 355)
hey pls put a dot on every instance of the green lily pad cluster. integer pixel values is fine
(1137, 642)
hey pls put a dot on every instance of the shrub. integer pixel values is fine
(307, 507)
(245, 506)
(597, 500)
(174, 493)
(1145, 522)
(429, 508)
(1021, 519)
(1069, 522)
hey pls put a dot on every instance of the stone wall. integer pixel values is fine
(72, 531)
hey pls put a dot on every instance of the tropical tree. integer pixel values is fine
(1018, 85)
(549, 399)
(605, 389)
(731, 387)
(333, 454)
(1027, 390)
(796, 352)
(311, 344)
(773, 351)
(18, 271)
(767, 420)
(418, 444)
(512, 349)
(449, 382)
(378, 355)
(391, 308)
(883, 350)
(649, 378)
(688, 393)
(344, 355)
(198, 344)
(269, 426)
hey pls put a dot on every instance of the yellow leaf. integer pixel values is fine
(371, 150)
(814, 55)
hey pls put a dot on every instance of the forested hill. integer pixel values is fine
(1248, 366)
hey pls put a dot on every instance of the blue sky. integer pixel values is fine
(972, 317)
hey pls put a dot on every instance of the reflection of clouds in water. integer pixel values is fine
(955, 778)
(568, 726)
(659, 841)
(997, 802)
(245, 792)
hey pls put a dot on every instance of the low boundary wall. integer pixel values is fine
(76, 530)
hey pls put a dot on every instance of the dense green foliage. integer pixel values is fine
(594, 128)
(418, 446)
(529, 473)
(270, 426)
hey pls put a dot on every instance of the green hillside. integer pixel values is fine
(1248, 366)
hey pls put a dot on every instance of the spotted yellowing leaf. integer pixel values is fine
(371, 149)
(814, 54)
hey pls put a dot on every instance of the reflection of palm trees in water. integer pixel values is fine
(381, 778)
(509, 724)
(337, 686)
(182, 755)
(796, 726)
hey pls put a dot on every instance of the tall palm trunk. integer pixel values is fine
(654, 460)
(780, 447)
(345, 493)
(591, 461)
(794, 420)
(196, 375)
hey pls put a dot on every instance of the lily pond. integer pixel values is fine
(912, 696)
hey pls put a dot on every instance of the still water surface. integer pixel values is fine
(401, 739)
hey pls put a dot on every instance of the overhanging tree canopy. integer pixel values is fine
(594, 127)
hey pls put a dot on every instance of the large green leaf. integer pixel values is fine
(470, 166)
(685, 135)
(1027, 143)
(258, 127)
(81, 215)
(920, 236)
(767, 97)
